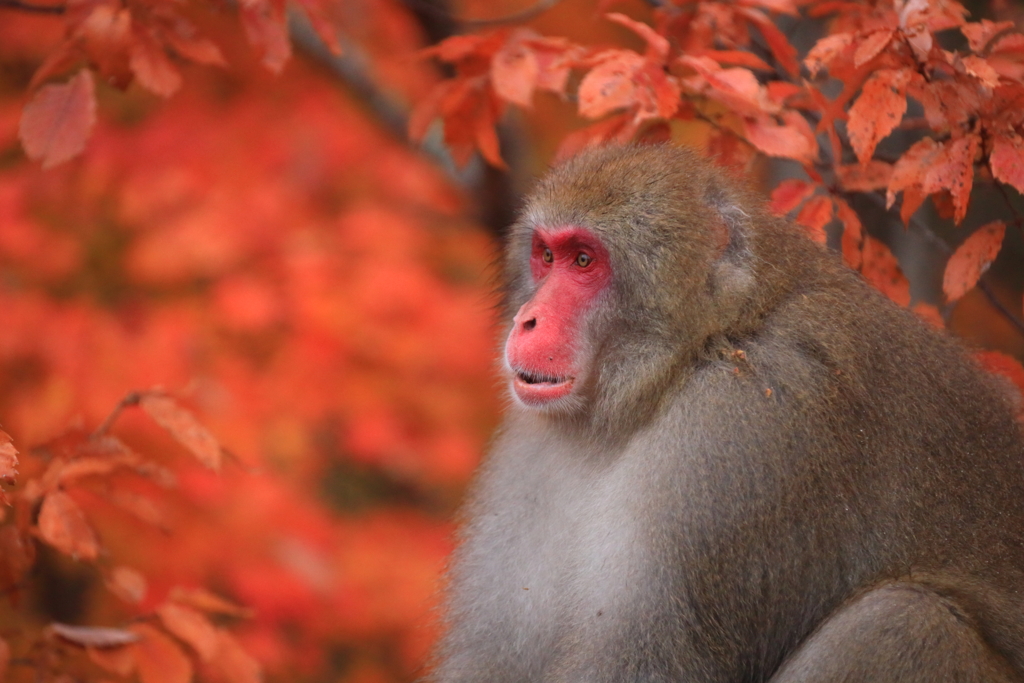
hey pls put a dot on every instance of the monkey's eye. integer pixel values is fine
(583, 260)
(547, 255)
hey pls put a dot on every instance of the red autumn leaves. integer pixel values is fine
(727, 65)
(145, 43)
(46, 507)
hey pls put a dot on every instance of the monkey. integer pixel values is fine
(726, 458)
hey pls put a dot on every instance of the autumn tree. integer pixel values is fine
(245, 359)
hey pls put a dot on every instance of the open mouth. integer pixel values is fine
(538, 378)
(536, 388)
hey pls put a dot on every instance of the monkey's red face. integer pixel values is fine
(545, 349)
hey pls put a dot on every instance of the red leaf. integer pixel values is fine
(183, 426)
(127, 583)
(93, 636)
(871, 46)
(514, 71)
(882, 270)
(911, 168)
(868, 177)
(734, 58)
(151, 65)
(236, 665)
(980, 34)
(778, 141)
(118, 660)
(816, 214)
(266, 27)
(159, 658)
(1007, 160)
(62, 524)
(609, 85)
(853, 234)
(657, 45)
(58, 120)
(8, 458)
(202, 599)
(971, 259)
(877, 111)
(781, 48)
(789, 194)
(5, 659)
(930, 314)
(826, 50)
(190, 626)
(106, 34)
(953, 170)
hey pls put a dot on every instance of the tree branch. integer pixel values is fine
(36, 9)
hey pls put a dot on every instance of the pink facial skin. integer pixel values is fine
(571, 268)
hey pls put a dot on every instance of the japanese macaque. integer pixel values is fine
(726, 458)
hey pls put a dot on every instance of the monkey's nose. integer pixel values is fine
(530, 324)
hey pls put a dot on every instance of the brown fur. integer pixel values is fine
(773, 473)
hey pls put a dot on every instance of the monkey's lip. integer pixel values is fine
(534, 388)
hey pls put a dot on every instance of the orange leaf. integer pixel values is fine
(236, 665)
(789, 194)
(734, 58)
(609, 85)
(183, 426)
(778, 141)
(826, 50)
(151, 65)
(8, 457)
(190, 626)
(911, 168)
(106, 33)
(971, 259)
(200, 598)
(62, 524)
(5, 659)
(118, 660)
(816, 214)
(853, 234)
(514, 71)
(657, 45)
(782, 49)
(57, 122)
(159, 658)
(1007, 160)
(882, 270)
(980, 68)
(877, 111)
(980, 34)
(868, 177)
(953, 170)
(871, 46)
(266, 27)
(127, 583)
(930, 314)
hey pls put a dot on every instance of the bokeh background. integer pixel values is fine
(272, 251)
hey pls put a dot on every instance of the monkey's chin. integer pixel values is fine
(541, 394)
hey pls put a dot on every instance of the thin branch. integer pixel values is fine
(26, 7)
(515, 18)
(986, 289)
(474, 24)
(131, 399)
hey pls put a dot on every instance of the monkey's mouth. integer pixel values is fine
(537, 388)
(538, 378)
